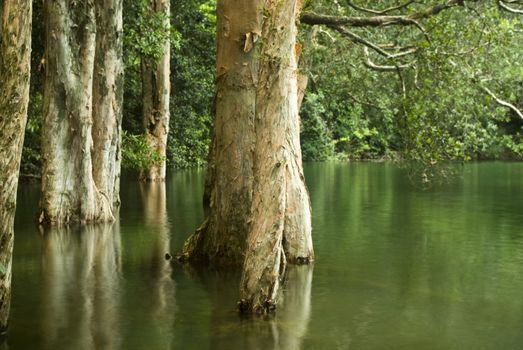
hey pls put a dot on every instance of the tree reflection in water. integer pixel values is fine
(156, 221)
(283, 330)
(80, 291)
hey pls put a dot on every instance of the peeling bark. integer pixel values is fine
(82, 112)
(221, 239)
(281, 218)
(259, 206)
(156, 91)
(108, 99)
(15, 53)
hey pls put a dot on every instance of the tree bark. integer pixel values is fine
(108, 99)
(221, 239)
(81, 138)
(15, 53)
(259, 206)
(281, 218)
(156, 91)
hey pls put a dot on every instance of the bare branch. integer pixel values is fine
(402, 81)
(380, 12)
(491, 94)
(378, 21)
(502, 102)
(504, 5)
(358, 39)
(380, 68)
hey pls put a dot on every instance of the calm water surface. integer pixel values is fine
(397, 268)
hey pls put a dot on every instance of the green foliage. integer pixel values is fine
(349, 111)
(192, 67)
(136, 153)
(31, 161)
(436, 110)
(146, 31)
(192, 77)
(316, 139)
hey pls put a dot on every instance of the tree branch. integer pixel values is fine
(502, 102)
(358, 39)
(312, 18)
(380, 68)
(503, 4)
(380, 12)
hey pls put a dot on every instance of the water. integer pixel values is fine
(397, 268)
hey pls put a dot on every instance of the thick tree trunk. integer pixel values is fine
(281, 218)
(156, 91)
(80, 141)
(260, 211)
(15, 53)
(108, 99)
(221, 239)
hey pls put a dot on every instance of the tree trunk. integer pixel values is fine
(15, 54)
(221, 239)
(108, 99)
(281, 218)
(156, 91)
(80, 139)
(259, 205)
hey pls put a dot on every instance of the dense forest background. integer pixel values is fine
(419, 82)
(441, 102)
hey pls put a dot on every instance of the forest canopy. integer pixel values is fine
(419, 92)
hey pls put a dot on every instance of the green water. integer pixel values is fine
(396, 268)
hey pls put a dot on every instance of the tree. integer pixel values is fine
(259, 206)
(156, 91)
(15, 55)
(418, 85)
(108, 99)
(82, 111)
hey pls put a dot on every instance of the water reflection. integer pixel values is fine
(80, 287)
(418, 269)
(397, 268)
(285, 330)
(162, 287)
(296, 308)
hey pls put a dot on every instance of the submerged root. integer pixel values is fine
(247, 307)
(303, 260)
(192, 248)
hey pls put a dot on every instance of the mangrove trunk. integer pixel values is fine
(15, 55)
(259, 207)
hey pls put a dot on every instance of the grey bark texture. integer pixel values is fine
(82, 112)
(15, 55)
(108, 99)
